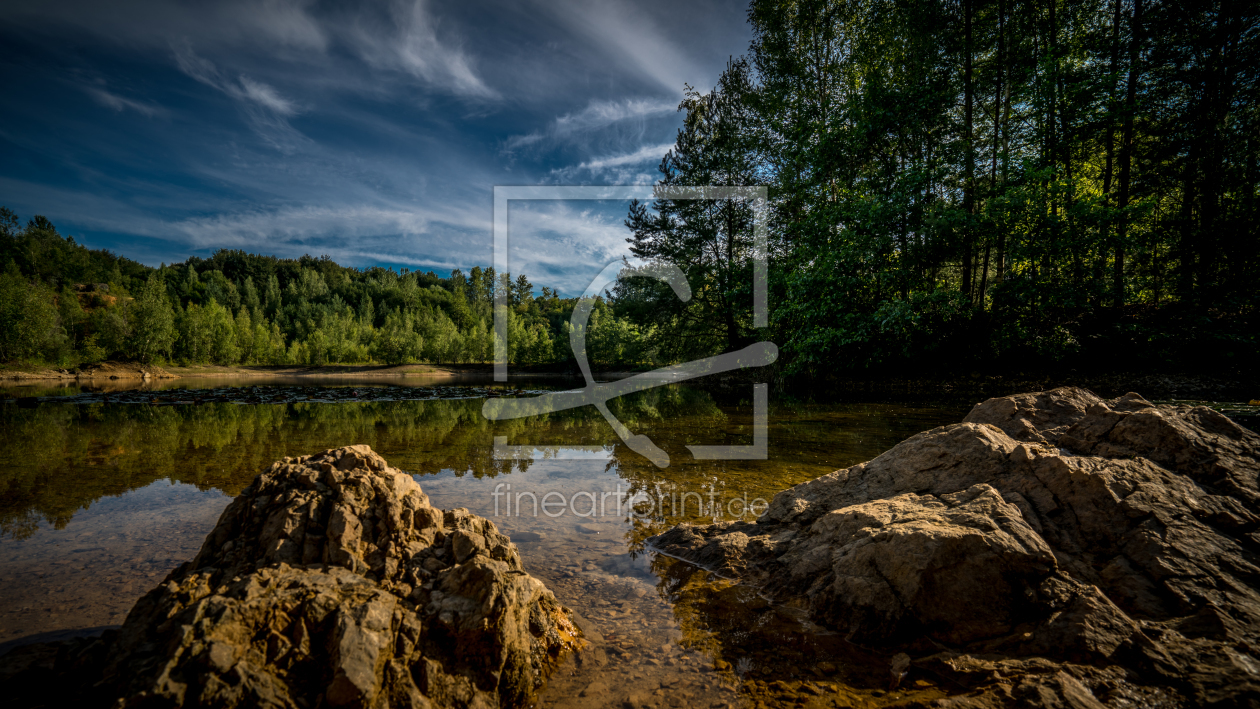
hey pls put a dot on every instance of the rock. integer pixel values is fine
(598, 688)
(331, 581)
(1053, 525)
(898, 668)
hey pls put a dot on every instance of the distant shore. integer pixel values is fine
(12, 374)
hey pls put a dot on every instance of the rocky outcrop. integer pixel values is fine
(331, 581)
(1094, 550)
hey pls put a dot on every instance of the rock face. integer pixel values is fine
(331, 581)
(1104, 551)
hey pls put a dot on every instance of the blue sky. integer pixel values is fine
(372, 132)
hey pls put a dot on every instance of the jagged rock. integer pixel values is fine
(1053, 525)
(331, 581)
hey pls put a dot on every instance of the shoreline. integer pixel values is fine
(129, 370)
(1228, 386)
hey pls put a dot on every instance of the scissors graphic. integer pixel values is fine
(598, 394)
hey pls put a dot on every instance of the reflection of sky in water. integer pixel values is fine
(99, 501)
(506, 451)
(570, 482)
(89, 573)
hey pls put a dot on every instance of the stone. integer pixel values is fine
(1052, 526)
(331, 581)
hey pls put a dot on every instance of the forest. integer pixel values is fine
(976, 184)
(962, 184)
(64, 304)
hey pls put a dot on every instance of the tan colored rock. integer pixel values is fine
(332, 581)
(1053, 525)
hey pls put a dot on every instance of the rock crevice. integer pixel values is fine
(1114, 541)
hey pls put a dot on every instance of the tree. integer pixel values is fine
(523, 290)
(152, 322)
(28, 319)
(710, 240)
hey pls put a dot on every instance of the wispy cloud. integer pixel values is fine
(631, 36)
(242, 88)
(370, 131)
(302, 224)
(265, 96)
(404, 37)
(648, 153)
(265, 109)
(121, 103)
(565, 244)
(560, 244)
(596, 116)
(636, 167)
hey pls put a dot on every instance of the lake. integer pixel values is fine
(103, 492)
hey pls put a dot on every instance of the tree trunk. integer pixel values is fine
(969, 186)
(1126, 152)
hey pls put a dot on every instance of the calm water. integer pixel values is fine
(104, 492)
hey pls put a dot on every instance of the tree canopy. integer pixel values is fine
(964, 183)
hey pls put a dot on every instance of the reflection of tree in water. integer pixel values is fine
(56, 459)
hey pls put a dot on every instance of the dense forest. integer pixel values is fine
(62, 303)
(959, 184)
(977, 183)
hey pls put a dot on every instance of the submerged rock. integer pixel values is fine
(331, 581)
(1054, 549)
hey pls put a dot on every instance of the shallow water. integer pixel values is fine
(100, 499)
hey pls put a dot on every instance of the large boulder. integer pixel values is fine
(1056, 525)
(331, 581)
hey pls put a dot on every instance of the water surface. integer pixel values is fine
(104, 492)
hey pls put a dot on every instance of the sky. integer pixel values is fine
(373, 132)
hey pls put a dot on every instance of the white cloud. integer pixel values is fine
(636, 167)
(557, 244)
(121, 103)
(265, 96)
(300, 224)
(628, 33)
(596, 116)
(265, 109)
(387, 170)
(406, 39)
(242, 89)
(648, 153)
(565, 244)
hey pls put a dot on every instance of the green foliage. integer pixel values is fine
(974, 183)
(239, 308)
(29, 322)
